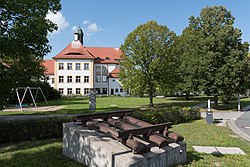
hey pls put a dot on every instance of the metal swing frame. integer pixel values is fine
(28, 89)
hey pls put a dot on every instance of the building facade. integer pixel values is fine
(77, 68)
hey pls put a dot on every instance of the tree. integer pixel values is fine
(218, 56)
(23, 41)
(148, 61)
(185, 48)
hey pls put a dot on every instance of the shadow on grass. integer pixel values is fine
(179, 104)
(191, 98)
(24, 145)
(193, 156)
(45, 153)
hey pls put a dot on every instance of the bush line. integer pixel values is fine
(46, 128)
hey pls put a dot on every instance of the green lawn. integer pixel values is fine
(80, 104)
(48, 152)
(199, 133)
(35, 153)
(77, 105)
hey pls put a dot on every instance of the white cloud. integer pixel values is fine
(89, 28)
(59, 20)
(92, 28)
(86, 22)
(74, 28)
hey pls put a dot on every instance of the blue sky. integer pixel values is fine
(106, 23)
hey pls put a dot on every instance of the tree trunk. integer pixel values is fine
(187, 96)
(216, 102)
(151, 105)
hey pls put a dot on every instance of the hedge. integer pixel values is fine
(175, 115)
(33, 129)
(45, 128)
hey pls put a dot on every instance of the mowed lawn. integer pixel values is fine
(77, 105)
(48, 152)
(198, 133)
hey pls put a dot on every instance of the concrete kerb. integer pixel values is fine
(235, 129)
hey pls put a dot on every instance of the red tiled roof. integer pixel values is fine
(105, 53)
(49, 65)
(114, 73)
(74, 50)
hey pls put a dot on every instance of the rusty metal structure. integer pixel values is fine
(138, 135)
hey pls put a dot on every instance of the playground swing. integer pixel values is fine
(29, 90)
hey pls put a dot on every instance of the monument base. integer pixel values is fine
(96, 149)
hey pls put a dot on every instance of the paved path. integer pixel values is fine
(224, 115)
(243, 123)
(239, 122)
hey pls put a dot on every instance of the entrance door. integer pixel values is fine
(112, 91)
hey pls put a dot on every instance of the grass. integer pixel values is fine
(35, 153)
(80, 104)
(77, 105)
(48, 152)
(198, 133)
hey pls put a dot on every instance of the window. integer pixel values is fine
(86, 66)
(113, 80)
(61, 78)
(98, 70)
(86, 91)
(104, 78)
(61, 91)
(78, 91)
(61, 66)
(107, 58)
(52, 80)
(104, 70)
(98, 78)
(69, 66)
(121, 90)
(98, 90)
(104, 90)
(69, 91)
(78, 79)
(69, 79)
(86, 79)
(116, 90)
(78, 66)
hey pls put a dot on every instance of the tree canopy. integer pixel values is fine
(24, 27)
(148, 61)
(23, 41)
(217, 56)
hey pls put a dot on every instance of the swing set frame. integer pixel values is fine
(29, 90)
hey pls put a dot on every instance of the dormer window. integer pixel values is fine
(98, 58)
(107, 58)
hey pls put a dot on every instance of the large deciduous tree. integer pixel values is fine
(217, 54)
(23, 41)
(185, 47)
(148, 61)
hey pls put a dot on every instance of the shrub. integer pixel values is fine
(175, 115)
(34, 129)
